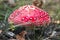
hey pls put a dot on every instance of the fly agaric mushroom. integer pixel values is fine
(29, 14)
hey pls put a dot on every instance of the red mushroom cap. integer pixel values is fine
(29, 14)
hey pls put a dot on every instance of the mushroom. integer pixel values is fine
(29, 14)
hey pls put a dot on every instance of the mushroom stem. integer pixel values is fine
(22, 24)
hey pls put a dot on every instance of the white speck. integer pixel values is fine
(34, 18)
(23, 18)
(40, 11)
(30, 18)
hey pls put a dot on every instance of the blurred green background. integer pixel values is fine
(51, 6)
